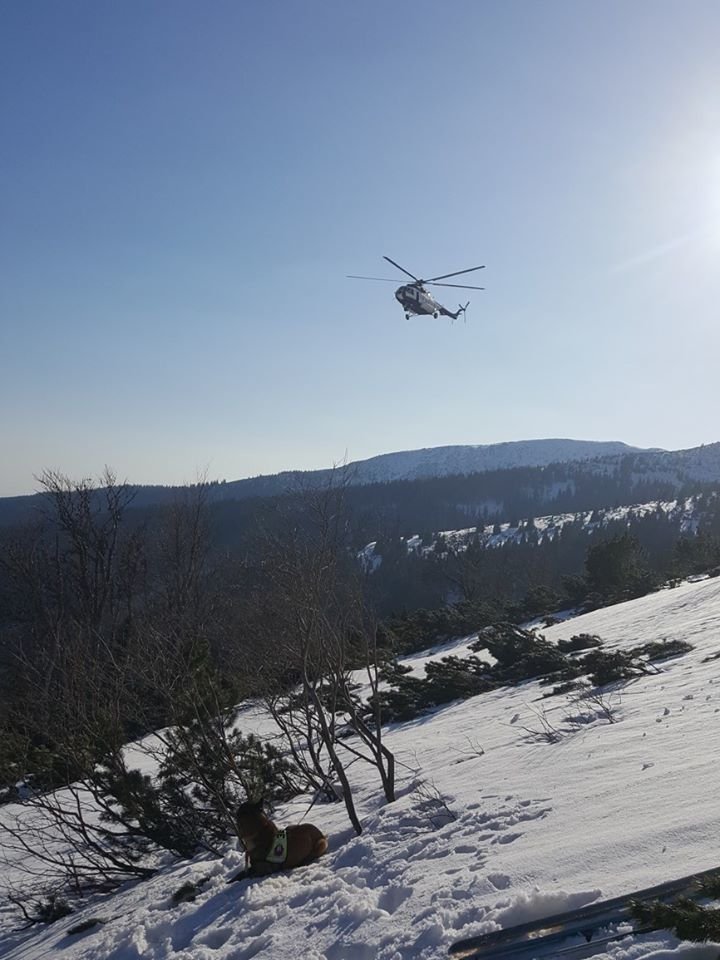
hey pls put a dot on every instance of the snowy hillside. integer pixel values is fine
(439, 462)
(530, 826)
(685, 511)
(546, 469)
(406, 465)
(697, 464)
(443, 461)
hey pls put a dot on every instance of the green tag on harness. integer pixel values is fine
(278, 850)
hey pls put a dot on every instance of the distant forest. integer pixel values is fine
(406, 507)
(388, 512)
(405, 581)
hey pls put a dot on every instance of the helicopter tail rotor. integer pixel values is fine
(460, 312)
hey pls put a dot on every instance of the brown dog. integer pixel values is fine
(269, 850)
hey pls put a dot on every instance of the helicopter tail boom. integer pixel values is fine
(460, 311)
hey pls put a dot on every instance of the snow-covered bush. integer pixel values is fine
(520, 654)
(581, 641)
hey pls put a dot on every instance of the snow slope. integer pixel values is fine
(538, 826)
(444, 461)
(404, 465)
(685, 511)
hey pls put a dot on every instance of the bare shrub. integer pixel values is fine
(591, 705)
(312, 631)
(433, 805)
(544, 730)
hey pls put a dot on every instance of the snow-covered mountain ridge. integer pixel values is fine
(387, 467)
(538, 529)
(700, 464)
(536, 469)
(532, 828)
(481, 458)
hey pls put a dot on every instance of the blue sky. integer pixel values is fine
(185, 185)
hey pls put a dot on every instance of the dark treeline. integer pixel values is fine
(388, 511)
(403, 508)
(406, 579)
(445, 503)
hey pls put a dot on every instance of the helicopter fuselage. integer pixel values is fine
(414, 298)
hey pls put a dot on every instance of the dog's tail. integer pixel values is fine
(320, 846)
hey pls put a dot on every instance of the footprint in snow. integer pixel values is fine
(391, 898)
(460, 893)
(507, 838)
(350, 951)
(254, 948)
(501, 881)
(216, 938)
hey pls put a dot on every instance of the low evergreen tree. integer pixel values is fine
(689, 920)
(190, 805)
(581, 641)
(520, 654)
(618, 568)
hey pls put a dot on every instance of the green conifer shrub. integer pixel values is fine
(520, 654)
(580, 641)
(689, 920)
(657, 650)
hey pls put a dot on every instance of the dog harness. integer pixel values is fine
(278, 850)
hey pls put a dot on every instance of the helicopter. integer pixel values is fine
(415, 299)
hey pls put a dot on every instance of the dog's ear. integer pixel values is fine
(249, 807)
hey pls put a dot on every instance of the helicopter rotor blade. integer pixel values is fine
(459, 286)
(353, 276)
(416, 279)
(456, 274)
